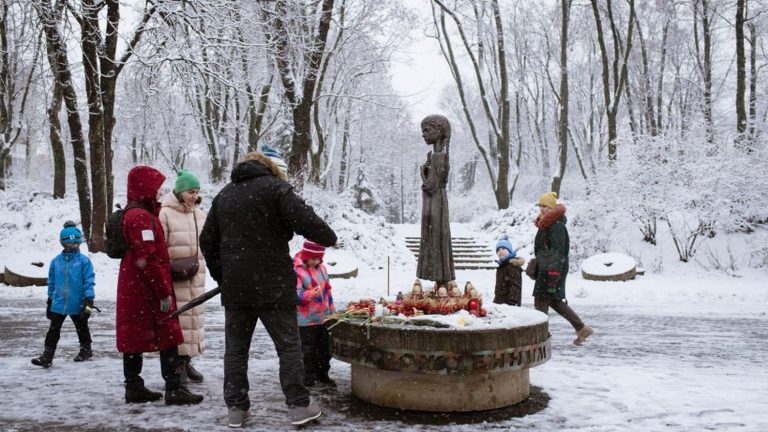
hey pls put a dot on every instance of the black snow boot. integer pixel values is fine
(181, 369)
(193, 374)
(140, 394)
(84, 354)
(182, 396)
(46, 358)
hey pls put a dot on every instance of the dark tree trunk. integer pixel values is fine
(562, 129)
(57, 56)
(752, 80)
(741, 71)
(57, 145)
(91, 39)
(301, 141)
(619, 73)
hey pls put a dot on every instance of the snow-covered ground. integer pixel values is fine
(679, 350)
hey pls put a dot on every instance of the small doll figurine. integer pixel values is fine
(417, 292)
(468, 287)
(442, 292)
(399, 298)
(453, 289)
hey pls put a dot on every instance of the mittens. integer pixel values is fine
(88, 308)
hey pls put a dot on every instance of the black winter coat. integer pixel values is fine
(245, 237)
(550, 282)
(509, 282)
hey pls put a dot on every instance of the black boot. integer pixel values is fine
(46, 358)
(84, 354)
(182, 396)
(193, 374)
(140, 394)
(181, 369)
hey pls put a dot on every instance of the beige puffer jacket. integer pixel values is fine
(178, 223)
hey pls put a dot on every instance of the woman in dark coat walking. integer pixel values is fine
(551, 248)
(145, 294)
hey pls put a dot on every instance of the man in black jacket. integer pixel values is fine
(245, 244)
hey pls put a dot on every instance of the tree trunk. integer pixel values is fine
(301, 141)
(343, 160)
(704, 60)
(502, 183)
(57, 145)
(562, 129)
(752, 80)
(57, 56)
(91, 39)
(619, 73)
(741, 72)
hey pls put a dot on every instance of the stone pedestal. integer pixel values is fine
(440, 393)
(441, 369)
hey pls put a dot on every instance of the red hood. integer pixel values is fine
(143, 184)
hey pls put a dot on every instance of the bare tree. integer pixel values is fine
(495, 112)
(57, 57)
(563, 94)
(19, 51)
(614, 76)
(741, 70)
(298, 92)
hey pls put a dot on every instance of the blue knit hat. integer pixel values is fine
(70, 234)
(274, 155)
(506, 244)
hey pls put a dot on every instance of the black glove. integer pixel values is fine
(48, 313)
(88, 308)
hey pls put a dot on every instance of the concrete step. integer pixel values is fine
(487, 257)
(474, 266)
(468, 254)
(459, 250)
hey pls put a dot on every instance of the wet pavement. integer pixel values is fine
(684, 343)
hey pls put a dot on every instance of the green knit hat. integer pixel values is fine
(185, 181)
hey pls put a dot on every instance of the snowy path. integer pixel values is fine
(647, 368)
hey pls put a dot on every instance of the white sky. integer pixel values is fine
(419, 71)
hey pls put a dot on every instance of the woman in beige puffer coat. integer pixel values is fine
(182, 222)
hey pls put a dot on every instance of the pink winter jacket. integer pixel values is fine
(312, 309)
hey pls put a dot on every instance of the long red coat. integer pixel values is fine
(145, 274)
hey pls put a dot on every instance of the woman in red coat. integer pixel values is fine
(145, 294)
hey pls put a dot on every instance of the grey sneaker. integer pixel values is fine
(237, 417)
(300, 415)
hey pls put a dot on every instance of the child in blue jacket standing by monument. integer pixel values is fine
(70, 292)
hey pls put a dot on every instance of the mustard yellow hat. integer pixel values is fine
(548, 199)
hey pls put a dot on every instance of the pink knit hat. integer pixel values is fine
(311, 250)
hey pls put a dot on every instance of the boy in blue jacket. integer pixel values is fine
(70, 292)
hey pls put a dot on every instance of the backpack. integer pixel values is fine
(114, 241)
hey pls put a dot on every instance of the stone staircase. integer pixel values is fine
(467, 253)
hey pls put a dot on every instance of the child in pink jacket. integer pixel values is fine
(315, 304)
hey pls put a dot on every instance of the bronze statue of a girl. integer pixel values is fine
(435, 254)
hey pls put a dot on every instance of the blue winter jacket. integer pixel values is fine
(70, 282)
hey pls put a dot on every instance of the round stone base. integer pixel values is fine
(440, 393)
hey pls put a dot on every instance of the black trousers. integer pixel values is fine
(317, 353)
(134, 362)
(282, 327)
(54, 331)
